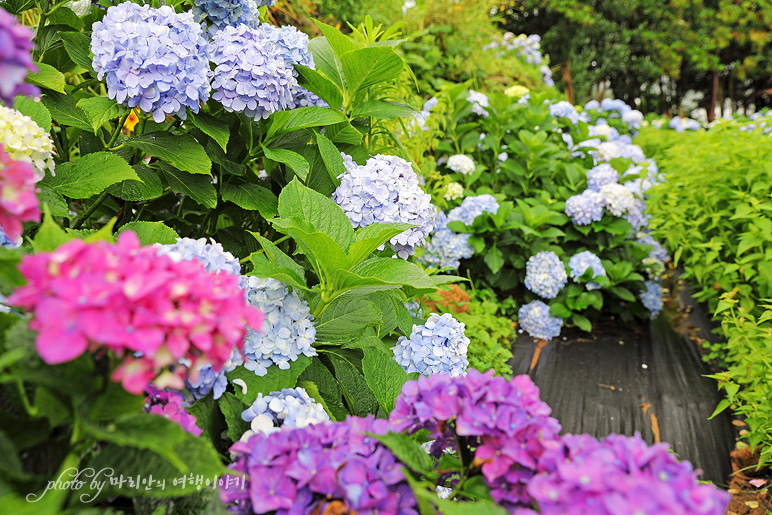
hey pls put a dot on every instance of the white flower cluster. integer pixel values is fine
(454, 191)
(289, 408)
(461, 164)
(24, 140)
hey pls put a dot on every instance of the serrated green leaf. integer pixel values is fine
(101, 110)
(366, 67)
(318, 374)
(90, 175)
(49, 235)
(232, 408)
(57, 205)
(47, 77)
(383, 109)
(333, 161)
(397, 271)
(65, 111)
(358, 395)
(408, 451)
(346, 319)
(367, 239)
(77, 46)
(197, 187)
(148, 187)
(252, 197)
(65, 16)
(293, 160)
(181, 151)
(384, 376)
(216, 129)
(326, 61)
(35, 110)
(303, 118)
(276, 256)
(262, 267)
(151, 232)
(321, 86)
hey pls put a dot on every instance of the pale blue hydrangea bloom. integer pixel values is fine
(545, 274)
(6, 242)
(617, 199)
(446, 247)
(291, 44)
(461, 164)
(288, 328)
(439, 346)
(209, 380)
(535, 319)
(479, 102)
(601, 175)
(386, 190)
(585, 208)
(633, 119)
(288, 408)
(472, 207)
(153, 59)
(651, 297)
(210, 254)
(579, 263)
(565, 109)
(658, 252)
(592, 105)
(636, 215)
(304, 98)
(546, 75)
(414, 308)
(615, 105)
(222, 13)
(251, 75)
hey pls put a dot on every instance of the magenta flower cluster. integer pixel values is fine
(15, 59)
(169, 404)
(18, 195)
(503, 422)
(145, 308)
(619, 475)
(331, 467)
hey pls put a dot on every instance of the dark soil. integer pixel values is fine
(749, 485)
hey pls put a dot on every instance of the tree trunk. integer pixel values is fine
(567, 80)
(713, 97)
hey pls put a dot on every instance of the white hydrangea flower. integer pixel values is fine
(23, 140)
(454, 191)
(617, 199)
(461, 164)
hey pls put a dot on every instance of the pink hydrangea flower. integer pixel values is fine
(145, 308)
(18, 195)
(170, 405)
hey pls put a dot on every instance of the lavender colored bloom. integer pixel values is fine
(386, 190)
(446, 247)
(472, 207)
(461, 164)
(437, 346)
(153, 59)
(479, 102)
(617, 199)
(585, 208)
(565, 109)
(222, 13)
(170, 405)
(620, 474)
(291, 407)
(601, 175)
(658, 251)
(212, 255)
(288, 328)
(651, 297)
(15, 59)
(535, 319)
(545, 274)
(579, 263)
(207, 380)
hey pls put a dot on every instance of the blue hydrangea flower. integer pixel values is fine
(535, 319)
(211, 255)
(386, 190)
(636, 215)
(287, 331)
(446, 247)
(592, 105)
(579, 263)
(414, 308)
(617, 199)
(221, 13)
(651, 297)
(565, 109)
(601, 175)
(437, 347)
(153, 59)
(472, 207)
(585, 208)
(304, 98)
(479, 102)
(288, 408)
(633, 119)
(658, 252)
(209, 380)
(545, 274)
(251, 74)
(291, 44)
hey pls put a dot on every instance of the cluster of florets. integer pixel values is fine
(222, 13)
(147, 309)
(287, 332)
(331, 467)
(453, 191)
(153, 59)
(504, 423)
(472, 207)
(527, 48)
(207, 380)
(516, 92)
(23, 140)
(18, 195)
(679, 124)
(437, 346)
(579, 263)
(617, 199)
(414, 308)
(620, 147)
(170, 405)
(651, 297)
(535, 319)
(636, 215)
(291, 407)
(620, 474)
(479, 102)
(461, 164)
(601, 175)
(633, 119)
(585, 208)
(601, 130)
(386, 190)
(658, 251)
(210, 254)
(446, 248)
(15, 59)
(545, 274)
(565, 109)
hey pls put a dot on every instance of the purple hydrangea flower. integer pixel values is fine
(651, 297)
(437, 346)
(579, 263)
(222, 13)
(15, 59)
(585, 208)
(288, 408)
(535, 319)
(601, 175)
(620, 474)
(545, 274)
(472, 207)
(153, 59)
(170, 405)
(386, 190)
(446, 248)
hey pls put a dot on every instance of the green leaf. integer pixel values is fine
(581, 322)
(322, 212)
(397, 271)
(56, 203)
(293, 160)
(478, 507)
(262, 267)
(216, 129)
(90, 175)
(151, 232)
(321, 86)
(318, 374)
(408, 451)
(322, 251)
(101, 110)
(333, 161)
(359, 397)
(623, 293)
(17, 6)
(273, 381)
(232, 408)
(367, 239)
(384, 376)
(47, 77)
(148, 187)
(494, 259)
(252, 197)
(277, 257)
(722, 405)
(366, 67)
(559, 310)
(197, 187)
(65, 16)
(346, 319)
(340, 43)
(113, 403)
(35, 110)
(326, 61)
(65, 111)
(78, 46)
(383, 109)
(181, 151)
(303, 118)
(619, 226)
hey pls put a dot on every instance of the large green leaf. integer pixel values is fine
(181, 151)
(90, 175)
(65, 111)
(366, 67)
(320, 85)
(101, 110)
(277, 257)
(232, 408)
(77, 46)
(408, 451)
(346, 319)
(47, 77)
(321, 212)
(355, 390)
(368, 239)
(35, 110)
(274, 380)
(324, 253)
(148, 187)
(396, 271)
(151, 232)
(216, 129)
(318, 374)
(293, 160)
(326, 61)
(57, 205)
(384, 376)
(262, 267)
(303, 118)
(331, 158)
(338, 41)
(197, 187)
(382, 109)
(252, 197)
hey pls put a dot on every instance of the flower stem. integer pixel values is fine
(90, 211)
(118, 130)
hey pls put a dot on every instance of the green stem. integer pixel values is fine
(90, 211)
(31, 410)
(118, 130)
